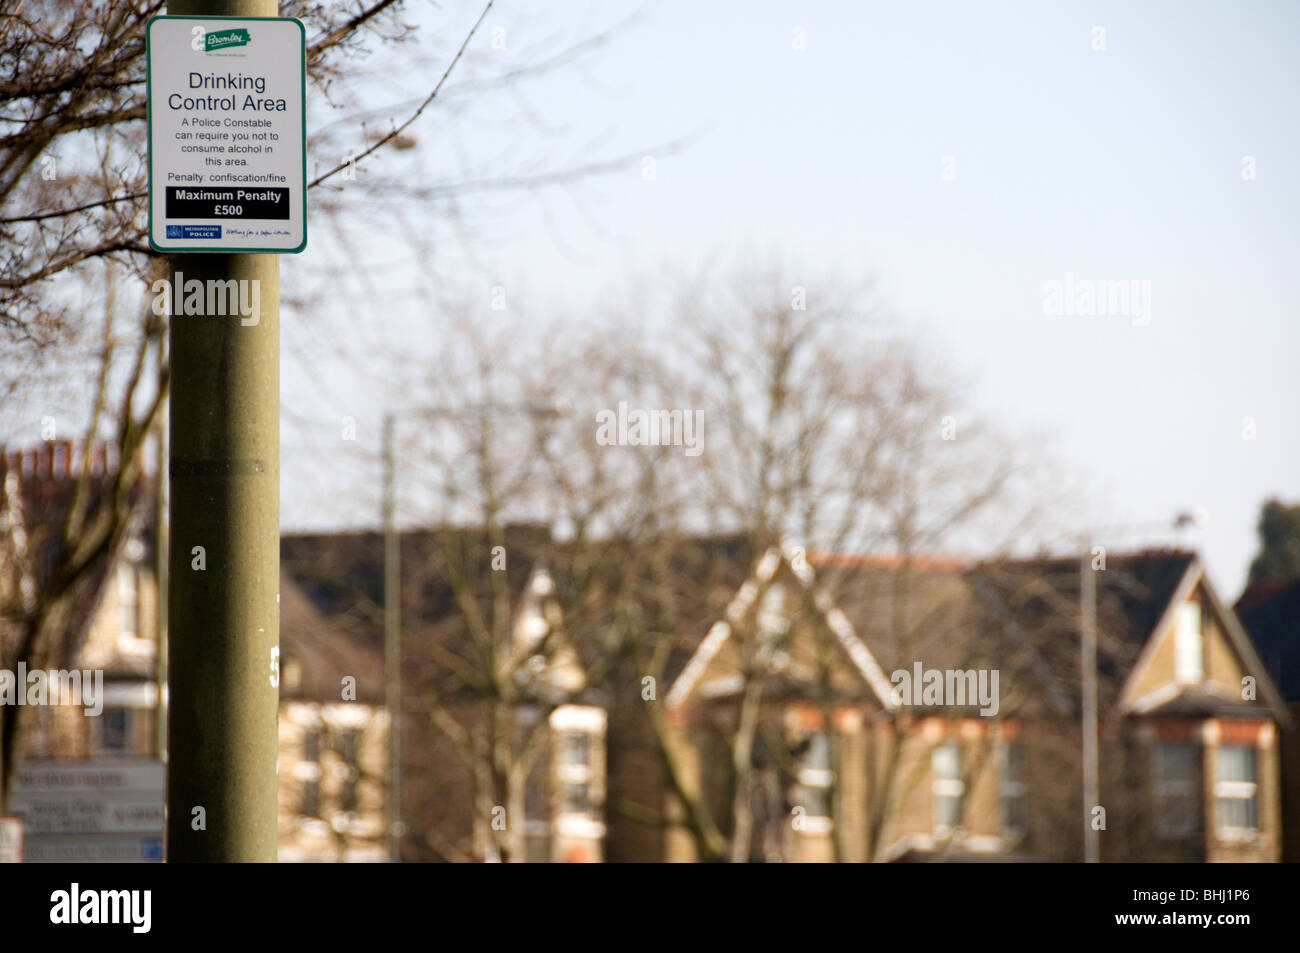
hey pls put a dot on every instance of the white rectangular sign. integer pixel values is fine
(118, 779)
(227, 134)
(91, 810)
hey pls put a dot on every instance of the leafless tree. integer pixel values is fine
(541, 537)
(58, 535)
(829, 433)
(73, 217)
(825, 434)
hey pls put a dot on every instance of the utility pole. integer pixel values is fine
(1088, 632)
(393, 597)
(392, 646)
(160, 566)
(223, 605)
(1088, 669)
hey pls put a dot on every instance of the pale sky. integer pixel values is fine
(1117, 164)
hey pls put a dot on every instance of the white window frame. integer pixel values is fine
(946, 789)
(814, 777)
(130, 641)
(1189, 644)
(1236, 790)
(588, 722)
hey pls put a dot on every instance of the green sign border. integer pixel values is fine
(148, 41)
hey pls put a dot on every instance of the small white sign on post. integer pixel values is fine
(227, 134)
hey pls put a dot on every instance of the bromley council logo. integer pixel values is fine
(205, 42)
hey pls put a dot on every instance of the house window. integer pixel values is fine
(575, 748)
(309, 773)
(1236, 791)
(128, 594)
(1174, 774)
(1015, 815)
(1188, 644)
(574, 772)
(948, 788)
(576, 766)
(575, 798)
(772, 619)
(348, 752)
(311, 797)
(311, 745)
(814, 775)
(131, 638)
(115, 730)
(533, 625)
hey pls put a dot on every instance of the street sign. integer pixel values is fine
(90, 810)
(11, 839)
(78, 816)
(227, 134)
(96, 849)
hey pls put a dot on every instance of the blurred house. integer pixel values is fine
(510, 666)
(333, 736)
(333, 756)
(1189, 718)
(87, 781)
(456, 729)
(1189, 751)
(109, 620)
(1270, 612)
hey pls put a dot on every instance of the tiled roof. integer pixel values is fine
(1033, 616)
(1270, 613)
(324, 649)
(1021, 616)
(332, 601)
